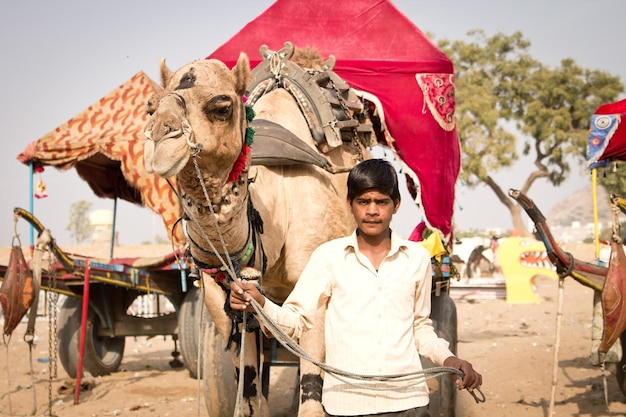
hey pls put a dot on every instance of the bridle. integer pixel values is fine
(230, 264)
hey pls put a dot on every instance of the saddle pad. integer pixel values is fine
(275, 145)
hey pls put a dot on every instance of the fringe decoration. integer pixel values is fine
(239, 164)
(242, 159)
(249, 131)
(249, 136)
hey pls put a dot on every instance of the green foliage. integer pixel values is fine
(509, 103)
(79, 227)
(160, 240)
(613, 179)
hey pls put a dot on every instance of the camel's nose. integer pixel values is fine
(164, 125)
(167, 118)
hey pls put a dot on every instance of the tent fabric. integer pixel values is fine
(607, 135)
(104, 143)
(381, 52)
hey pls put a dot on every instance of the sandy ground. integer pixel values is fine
(512, 345)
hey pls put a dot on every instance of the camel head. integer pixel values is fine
(201, 113)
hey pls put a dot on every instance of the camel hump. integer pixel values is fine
(330, 106)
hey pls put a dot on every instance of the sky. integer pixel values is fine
(60, 57)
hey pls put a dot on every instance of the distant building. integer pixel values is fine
(101, 222)
(575, 233)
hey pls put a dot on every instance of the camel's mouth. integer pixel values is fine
(167, 157)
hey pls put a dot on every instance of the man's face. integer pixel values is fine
(373, 211)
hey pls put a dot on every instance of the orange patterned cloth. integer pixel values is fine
(104, 143)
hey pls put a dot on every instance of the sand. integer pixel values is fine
(512, 345)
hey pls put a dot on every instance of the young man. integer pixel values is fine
(376, 287)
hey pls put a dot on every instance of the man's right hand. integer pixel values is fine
(241, 292)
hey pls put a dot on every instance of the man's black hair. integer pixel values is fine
(373, 174)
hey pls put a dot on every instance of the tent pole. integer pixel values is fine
(31, 203)
(113, 228)
(594, 195)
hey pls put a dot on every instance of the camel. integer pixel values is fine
(248, 220)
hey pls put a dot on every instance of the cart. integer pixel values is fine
(606, 144)
(109, 289)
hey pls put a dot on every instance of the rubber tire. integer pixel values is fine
(620, 373)
(191, 316)
(444, 317)
(103, 355)
(220, 384)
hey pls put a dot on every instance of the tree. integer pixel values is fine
(79, 226)
(612, 179)
(499, 85)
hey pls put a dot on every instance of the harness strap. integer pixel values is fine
(332, 110)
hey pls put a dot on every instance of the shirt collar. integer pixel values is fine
(397, 243)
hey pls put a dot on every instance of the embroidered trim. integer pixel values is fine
(438, 90)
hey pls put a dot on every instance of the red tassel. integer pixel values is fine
(239, 164)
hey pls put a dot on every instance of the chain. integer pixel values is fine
(53, 342)
(355, 136)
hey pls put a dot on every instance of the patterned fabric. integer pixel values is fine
(603, 127)
(438, 92)
(104, 143)
(607, 135)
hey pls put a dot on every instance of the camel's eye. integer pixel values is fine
(219, 108)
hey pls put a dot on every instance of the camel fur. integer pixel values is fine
(198, 124)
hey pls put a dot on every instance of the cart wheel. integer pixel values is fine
(621, 372)
(191, 318)
(103, 355)
(443, 389)
(220, 385)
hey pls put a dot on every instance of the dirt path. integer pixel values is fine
(512, 345)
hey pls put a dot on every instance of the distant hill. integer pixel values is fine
(578, 207)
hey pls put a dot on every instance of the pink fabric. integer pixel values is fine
(416, 234)
(379, 51)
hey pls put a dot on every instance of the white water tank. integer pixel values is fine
(101, 222)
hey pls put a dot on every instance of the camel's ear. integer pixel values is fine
(166, 73)
(241, 74)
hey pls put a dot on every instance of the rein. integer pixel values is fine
(408, 379)
(245, 255)
(255, 224)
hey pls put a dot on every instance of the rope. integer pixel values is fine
(557, 346)
(408, 379)
(231, 268)
(563, 273)
(239, 402)
(616, 229)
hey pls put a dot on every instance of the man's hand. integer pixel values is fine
(471, 379)
(241, 292)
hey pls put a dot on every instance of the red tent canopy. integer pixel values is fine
(381, 52)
